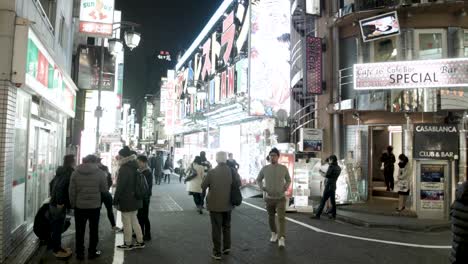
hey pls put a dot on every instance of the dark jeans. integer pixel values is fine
(389, 181)
(107, 201)
(220, 226)
(57, 222)
(167, 177)
(157, 177)
(181, 175)
(81, 217)
(143, 218)
(203, 195)
(329, 192)
(198, 199)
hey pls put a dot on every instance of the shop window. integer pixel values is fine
(49, 9)
(384, 50)
(430, 44)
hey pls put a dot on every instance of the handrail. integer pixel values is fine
(310, 104)
(301, 126)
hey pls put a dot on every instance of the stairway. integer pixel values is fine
(380, 190)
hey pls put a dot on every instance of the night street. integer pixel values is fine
(181, 235)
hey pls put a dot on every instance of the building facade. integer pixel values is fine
(38, 97)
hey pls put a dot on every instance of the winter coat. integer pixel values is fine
(149, 179)
(105, 169)
(331, 176)
(459, 215)
(403, 179)
(194, 185)
(124, 198)
(86, 185)
(219, 182)
(59, 187)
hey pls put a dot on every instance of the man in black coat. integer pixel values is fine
(143, 213)
(459, 215)
(331, 176)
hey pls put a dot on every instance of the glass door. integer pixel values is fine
(32, 176)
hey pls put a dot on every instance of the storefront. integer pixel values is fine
(43, 105)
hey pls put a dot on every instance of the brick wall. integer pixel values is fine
(7, 136)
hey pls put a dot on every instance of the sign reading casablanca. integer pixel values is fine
(435, 141)
(412, 74)
(96, 17)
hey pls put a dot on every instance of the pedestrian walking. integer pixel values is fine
(158, 168)
(168, 168)
(219, 182)
(404, 173)
(125, 199)
(143, 213)
(459, 215)
(106, 197)
(181, 169)
(274, 180)
(388, 166)
(86, 185)
(232, 162)
(331, 176)
(59, 204)
(207, 165)
(194, 180)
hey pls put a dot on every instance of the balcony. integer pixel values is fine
(362, 5)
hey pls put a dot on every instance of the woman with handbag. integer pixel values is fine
(194, 178)
(404, 173)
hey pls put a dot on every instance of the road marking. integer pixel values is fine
(175, 203)
(318, 230)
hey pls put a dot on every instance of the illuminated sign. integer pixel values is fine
(412, 74)
(97, 17)
(435, 141)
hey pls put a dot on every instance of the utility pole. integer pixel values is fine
(98, 112)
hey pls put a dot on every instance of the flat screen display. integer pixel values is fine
(380, 26)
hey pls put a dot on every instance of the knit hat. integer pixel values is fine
(125, 152)
(275, 151)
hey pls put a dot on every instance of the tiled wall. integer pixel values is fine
(7, 136)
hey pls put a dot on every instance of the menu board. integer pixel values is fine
(432, 186)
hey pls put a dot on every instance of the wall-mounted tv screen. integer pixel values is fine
(380, 26)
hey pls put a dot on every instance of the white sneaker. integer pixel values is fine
(274, 237)
(281, 243)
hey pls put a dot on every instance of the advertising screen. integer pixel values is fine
(270, 68)
(88, 73)
(379, 26)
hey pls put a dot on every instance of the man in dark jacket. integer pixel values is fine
(143, 213)
(59, 204)
(157, 164)
(106, 197)
(388, 160)
(219, 182)
(126, 201)
(459, 215)
(331, 176)
(86, 185)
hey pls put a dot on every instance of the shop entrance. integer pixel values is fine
(382, 137)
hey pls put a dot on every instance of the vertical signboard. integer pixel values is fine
(314, 65)
(89, 64)
(432, 186)
(311, 140)
(97, 17)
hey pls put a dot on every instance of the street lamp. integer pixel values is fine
(132, 39)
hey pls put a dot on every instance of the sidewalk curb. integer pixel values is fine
(416, 228)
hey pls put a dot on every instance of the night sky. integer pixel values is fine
(170, 25)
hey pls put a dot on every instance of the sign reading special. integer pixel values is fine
(435, 141)
(97, 17)
(411, 74)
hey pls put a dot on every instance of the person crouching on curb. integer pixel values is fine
(277, 181)
(219, 182)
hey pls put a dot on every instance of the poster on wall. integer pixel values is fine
(96, 17)
(435, 141)
(381, 26)
(310, 140)
(432, 186)
(89, 64)
(270, 56)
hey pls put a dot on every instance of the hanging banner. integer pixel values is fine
(442, 73)
(96, 17)
(314, 65)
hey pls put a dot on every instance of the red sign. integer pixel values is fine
(96, 28)
(287, 160)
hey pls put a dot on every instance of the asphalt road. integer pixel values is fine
(181, 235)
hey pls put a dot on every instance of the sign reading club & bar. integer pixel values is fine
(435, 141)
(412, 74)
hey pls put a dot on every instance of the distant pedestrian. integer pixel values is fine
(59, 204)
(219, 182)
(459, 215)
(86, 185)
(106, 197)
(194, 184)
(168, 169)
(403, 181)
(274, 180)
(232, 162)
(143, 213)
(331, 176)
(158, 167)
(126, 201)
(181, 169)
(388, 165)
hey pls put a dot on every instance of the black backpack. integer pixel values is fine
(236, 195)
(141, 187)
(42, 223)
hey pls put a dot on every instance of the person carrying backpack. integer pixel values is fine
(143, 213)
(127, 200)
